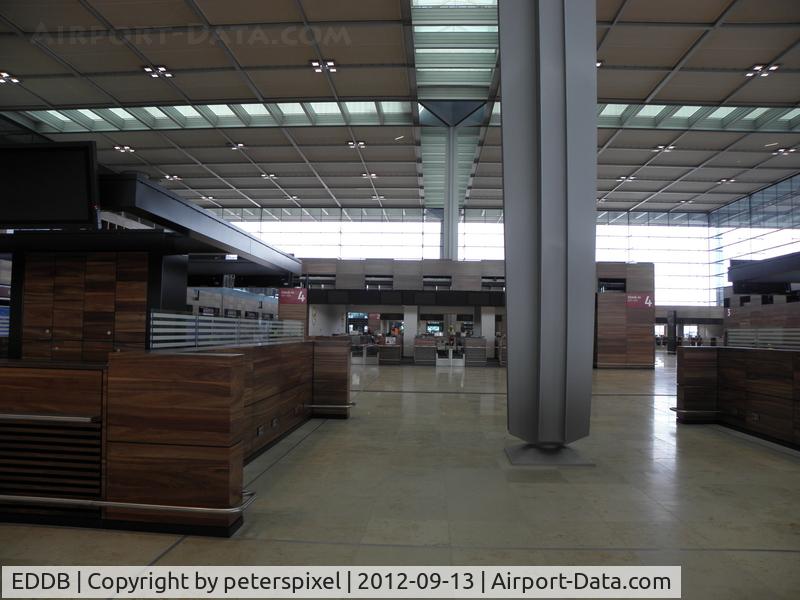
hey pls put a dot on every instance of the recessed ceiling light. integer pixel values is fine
(628, 178)
(762, 70)
(663, 148)
(370, 175)
(398, 138)
(269, 176)
(156, 71)
(354, 144)
(206, 197)
(770, 144)
(124, 149)
(7, 78)
(237, 146)
(326, 64)
(377, 197)
(598, 64)
(294, 198)
(172, 177)
(784, 151)
(725, 180)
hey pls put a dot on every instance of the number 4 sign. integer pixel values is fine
(639, 300)
(293, 296)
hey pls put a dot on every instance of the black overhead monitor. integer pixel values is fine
(48, 185)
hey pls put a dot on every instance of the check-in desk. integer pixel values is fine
(475, 351)
(364, 354)
(449, 355)
(750, 389)
(156, 440)
(425, 350)
(390, 354)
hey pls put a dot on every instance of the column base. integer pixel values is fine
(530, 455)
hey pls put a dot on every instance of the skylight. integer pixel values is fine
(187, 111)
(57, 115)
(221, 110)
(455, 28)
(721, 112)
(89, 114)
(456, 51)
(651, 110)
(391, 107)
(325, 108)
(755, 113)
(361, 108)
(613, 110)
(685, 112)
(291, 108)
(153, 111)
(255, 109)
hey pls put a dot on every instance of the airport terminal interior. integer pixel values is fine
(402, 282)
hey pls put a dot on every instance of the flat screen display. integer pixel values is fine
(48, 184)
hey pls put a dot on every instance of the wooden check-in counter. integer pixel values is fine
(152, 430)
(750, 389)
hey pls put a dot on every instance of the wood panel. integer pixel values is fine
(180, 399)
(66, 350)
(757, 390)
(332, 377)
(130, 303)
(99, 306)
(51, 391)
(697, 397)
(272, 369)
(37, 314)
(770, 415)
(68, 291)
(268, 419)
(770, 373)
(294, 312)
(611, 344)
(777, 316)
(177, 475)
(624, 331)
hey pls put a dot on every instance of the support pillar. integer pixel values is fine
(451, 198)
(548, 78)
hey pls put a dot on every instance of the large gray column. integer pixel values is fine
(451, 197)
(549, 98)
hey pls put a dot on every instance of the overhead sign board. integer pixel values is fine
(293, 296)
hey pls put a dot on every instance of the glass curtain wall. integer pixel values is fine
(675, 242)
(691, 251)
(762, 225)
(481, 235)
(349, 233)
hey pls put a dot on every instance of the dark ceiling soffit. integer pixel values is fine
(135, 194)
(783, 269)
(138, 240)
(217, 265)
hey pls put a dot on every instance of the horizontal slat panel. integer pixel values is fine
(57, 459)
(170, 331)
(782, 339)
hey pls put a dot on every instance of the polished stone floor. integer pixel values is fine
(418, 476)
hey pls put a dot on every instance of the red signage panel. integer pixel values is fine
(293, 296)
(639, 300)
